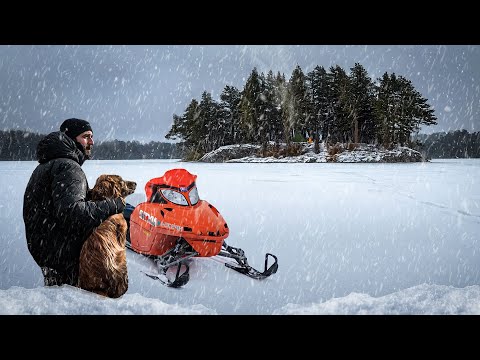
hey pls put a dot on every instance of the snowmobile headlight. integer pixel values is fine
(174, 196)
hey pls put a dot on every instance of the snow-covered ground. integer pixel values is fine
(350, 239)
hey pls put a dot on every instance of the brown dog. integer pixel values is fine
(103, 258)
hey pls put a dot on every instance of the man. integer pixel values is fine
(57, 213)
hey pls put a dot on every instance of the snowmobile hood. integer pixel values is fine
(175, 178)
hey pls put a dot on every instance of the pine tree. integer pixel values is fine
(230, 103)
(280, 101)
(187, 129)
(336, 122)
(250, 107)
(400, 110)
(317, 87)
(209, 124)
(299, 102)
(359, 104)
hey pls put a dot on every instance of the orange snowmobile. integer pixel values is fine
(174, 225)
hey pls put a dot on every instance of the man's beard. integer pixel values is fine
(88, 151)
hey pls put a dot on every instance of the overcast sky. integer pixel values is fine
(131, 92)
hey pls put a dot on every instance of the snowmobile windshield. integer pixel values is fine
(180, 198)
(193, 194)
(183, 195)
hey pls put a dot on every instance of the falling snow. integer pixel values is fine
(350, 238)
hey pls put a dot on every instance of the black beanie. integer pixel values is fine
(74, 127)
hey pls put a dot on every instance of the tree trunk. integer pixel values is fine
(355, 131)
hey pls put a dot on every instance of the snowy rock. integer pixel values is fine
(225, 153)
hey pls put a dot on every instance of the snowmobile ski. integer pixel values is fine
(179, 281)
(242, 265)
(175, 258)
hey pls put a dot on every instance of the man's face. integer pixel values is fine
(86, 139)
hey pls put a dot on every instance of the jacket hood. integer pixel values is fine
(58, 145)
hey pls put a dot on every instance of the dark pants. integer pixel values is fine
(53, 277)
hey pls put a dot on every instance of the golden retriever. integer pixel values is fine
(103, 258)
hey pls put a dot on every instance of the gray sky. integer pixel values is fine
(131, 92)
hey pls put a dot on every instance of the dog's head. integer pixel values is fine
(111, 186)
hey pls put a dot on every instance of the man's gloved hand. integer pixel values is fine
(120, 204)
(89, 195)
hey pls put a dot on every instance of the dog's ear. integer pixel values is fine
(100, 179)
(114, 178)
(104, 188)
(109, 186)
(117, 189)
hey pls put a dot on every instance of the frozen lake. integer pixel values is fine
(337, 229)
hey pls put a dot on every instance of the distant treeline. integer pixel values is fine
(454, 144)
(22, 145)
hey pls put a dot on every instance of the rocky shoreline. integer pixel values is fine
(360, 153)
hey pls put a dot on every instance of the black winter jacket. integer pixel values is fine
(57, 214)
